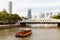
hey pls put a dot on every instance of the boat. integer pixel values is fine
(23, 33)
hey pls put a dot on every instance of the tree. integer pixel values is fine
(9, 18)
(56, 16)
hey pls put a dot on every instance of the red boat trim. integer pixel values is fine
(27, 34)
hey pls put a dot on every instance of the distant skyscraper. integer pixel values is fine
(47, 14)
(29, 13)
(42, 15)
(10, 7)
(51, 13)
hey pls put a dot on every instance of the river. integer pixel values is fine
(37, 34)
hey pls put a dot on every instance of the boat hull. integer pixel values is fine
(23, 34)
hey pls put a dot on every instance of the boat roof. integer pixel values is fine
(27, 29)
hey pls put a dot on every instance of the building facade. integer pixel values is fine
(29, 13)
(10, 7)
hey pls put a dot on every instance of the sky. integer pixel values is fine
(21, 6)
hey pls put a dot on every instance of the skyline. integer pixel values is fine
(21, 6)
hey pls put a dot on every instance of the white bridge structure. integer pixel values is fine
(41, 21)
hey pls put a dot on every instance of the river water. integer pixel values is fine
(37, 34)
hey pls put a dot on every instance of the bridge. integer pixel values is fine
(41, 21)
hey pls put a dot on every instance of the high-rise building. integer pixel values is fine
(50, 13)
(29, 13)
(47, 14)
(42, 15)
(10, 7)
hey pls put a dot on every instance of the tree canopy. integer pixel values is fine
(56, 16)
(6, 17)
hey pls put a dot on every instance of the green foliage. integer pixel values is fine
(8, 18)
(56, 16)
(24, 18)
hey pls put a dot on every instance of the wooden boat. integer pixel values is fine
(23, 33)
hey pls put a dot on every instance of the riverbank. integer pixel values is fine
(28, 26)
(9, 26)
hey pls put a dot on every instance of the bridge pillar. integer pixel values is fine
(22, 24)
(58, 24)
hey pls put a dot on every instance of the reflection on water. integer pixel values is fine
(37, 34)
(42, 25)
(7, 32)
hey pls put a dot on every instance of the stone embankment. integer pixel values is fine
(9, 26)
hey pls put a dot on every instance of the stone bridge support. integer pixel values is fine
(58, 25)
(22, 24)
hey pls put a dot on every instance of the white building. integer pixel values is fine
(47, 14)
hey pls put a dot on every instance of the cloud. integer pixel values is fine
(21, 6)
(36, 3)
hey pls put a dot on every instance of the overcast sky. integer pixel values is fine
(37, 6)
